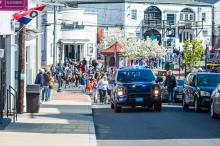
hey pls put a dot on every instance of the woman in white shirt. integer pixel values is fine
(102, 86)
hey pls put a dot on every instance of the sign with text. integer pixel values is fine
(13, 5)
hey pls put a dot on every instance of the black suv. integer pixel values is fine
(136, 86)
(198, 88)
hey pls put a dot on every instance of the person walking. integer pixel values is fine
(40, 78)
(83, 83)
(170, 83)
(94, 90)
(51, 86)
(102, 86)
(45, 96)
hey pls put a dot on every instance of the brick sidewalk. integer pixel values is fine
(66, 120)
(69, 95)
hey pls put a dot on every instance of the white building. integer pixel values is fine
(76, 34)
(9, 74)
(217, 24)
(171, 22)
(8, 64)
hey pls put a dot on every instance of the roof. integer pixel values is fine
(118, 47)
(134, 68)
(180, 2)
(208, 1)
(205, 73)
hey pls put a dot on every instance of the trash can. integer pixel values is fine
(33, 98)
(171, 66)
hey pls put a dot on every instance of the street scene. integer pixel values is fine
(109, 72)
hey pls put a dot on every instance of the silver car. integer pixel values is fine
(178, 91)
(215, 103)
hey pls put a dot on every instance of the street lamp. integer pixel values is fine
(60, 89)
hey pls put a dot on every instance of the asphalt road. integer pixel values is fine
(171, 127)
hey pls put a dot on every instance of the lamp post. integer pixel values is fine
(60, 89)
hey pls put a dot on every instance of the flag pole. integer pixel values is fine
(21, 70)
(21, 28)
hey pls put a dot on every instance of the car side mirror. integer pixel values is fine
(159, 79)
(218, 90)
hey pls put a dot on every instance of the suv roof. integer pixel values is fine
(205, 73)
(134, 68)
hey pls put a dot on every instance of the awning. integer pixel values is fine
(71, 41)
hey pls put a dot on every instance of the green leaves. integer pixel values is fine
(193, 52)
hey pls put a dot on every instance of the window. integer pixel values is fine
(134, 14)
(203, 16)
(181, 16)
(191, 17)
(186, 17)
(153, 16)
(171, 18)
(132, 76)
(187, 14)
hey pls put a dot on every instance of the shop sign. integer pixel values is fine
(72, 26)
(13, 5)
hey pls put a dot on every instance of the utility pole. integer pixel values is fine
(213, 27)
(21, 71)
(54, 36)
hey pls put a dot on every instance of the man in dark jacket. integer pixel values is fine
(40, 78)
(170, 83)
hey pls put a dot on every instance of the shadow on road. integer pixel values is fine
(142, 124)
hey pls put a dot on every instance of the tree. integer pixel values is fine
(193, 53)
(136, 48)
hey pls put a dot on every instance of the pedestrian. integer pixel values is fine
(45, 96)
(95, 90)
(51, 85)
(170, 83)
(83, 83)
(40, 78)
(102, 86)
(88, 86)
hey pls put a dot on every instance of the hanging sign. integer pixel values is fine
(13, 5)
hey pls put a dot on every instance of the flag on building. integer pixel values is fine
(26, 16)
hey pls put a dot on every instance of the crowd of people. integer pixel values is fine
(89, 76)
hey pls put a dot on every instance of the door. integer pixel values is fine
(192, 87)
(217, 99)
(186, 88)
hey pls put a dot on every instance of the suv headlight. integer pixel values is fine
(204, 93)
(156, 91)
(121, 91)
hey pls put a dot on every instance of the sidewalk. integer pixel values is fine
(65, 121)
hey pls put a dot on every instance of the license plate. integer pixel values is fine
(139, 99)
(179, 96)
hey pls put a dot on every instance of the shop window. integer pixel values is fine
(134, 14)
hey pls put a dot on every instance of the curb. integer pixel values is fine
(92, 135)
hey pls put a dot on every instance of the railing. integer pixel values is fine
(11, 105)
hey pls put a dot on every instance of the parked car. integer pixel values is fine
(136, 86)
(178, 91)
(198, 88)
(215, 103)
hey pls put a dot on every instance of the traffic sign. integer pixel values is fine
(13, 5)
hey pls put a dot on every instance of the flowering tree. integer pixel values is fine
(136, 49)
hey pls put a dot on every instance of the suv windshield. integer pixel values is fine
(209, 79)
(135, 76)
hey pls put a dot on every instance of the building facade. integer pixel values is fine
(76, 36)
(170, 22)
